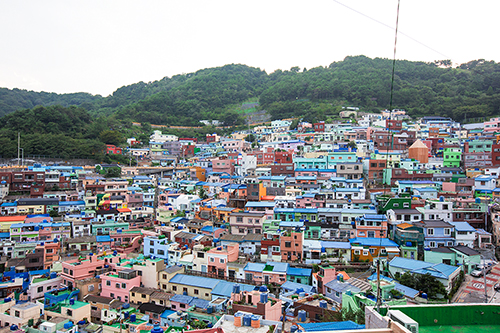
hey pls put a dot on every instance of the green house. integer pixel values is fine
(452, 157)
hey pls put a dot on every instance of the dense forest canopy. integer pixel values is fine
(471, 90)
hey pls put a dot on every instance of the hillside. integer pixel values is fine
(471, 90)
(16, 99)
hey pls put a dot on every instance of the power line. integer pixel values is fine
(388, 26)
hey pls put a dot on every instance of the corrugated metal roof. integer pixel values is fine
(331, 326)
(225, 288)
(293, 286)
(369, 241)
(195, 281)
(299, 271)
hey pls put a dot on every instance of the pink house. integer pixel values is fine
(258, 303)
(223, 165)
(118, 285)
(493, 125)
(89, 267)
(235, 145)
(218, 258)
(270, 272)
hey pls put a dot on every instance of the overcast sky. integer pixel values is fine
(99, 46)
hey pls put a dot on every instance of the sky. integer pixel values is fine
(98, 46)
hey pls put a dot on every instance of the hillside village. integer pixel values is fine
(372, 223)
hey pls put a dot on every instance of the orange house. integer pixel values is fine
(292, 245)
(369, 248)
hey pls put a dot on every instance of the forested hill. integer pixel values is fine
(471, 90)
(17, 99)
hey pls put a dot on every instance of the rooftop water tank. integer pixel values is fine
(236, 288)
(302, 315)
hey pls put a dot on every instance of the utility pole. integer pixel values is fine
(485, 287)
(378, 285)
(18, 147)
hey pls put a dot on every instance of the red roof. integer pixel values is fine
(124, 210)
(14, 218)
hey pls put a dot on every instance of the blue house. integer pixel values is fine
(157, 247)
(437, 233)
(446, 274)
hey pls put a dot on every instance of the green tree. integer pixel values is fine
(202, 194)
(250, 138)
(113, 172)
(111, 137)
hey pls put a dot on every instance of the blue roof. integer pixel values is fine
(178, 219)
(407, 291)
(195, 281)
(182, 299)
(331, 326)
(225, 288)
(200, 303)
(9, 204)
(254, 267)
(299, 271)
(369, 241)
(166, 313)
(209, 228)
(375, 217)
(293, 286)
(463, 226)
(441, 271)
(335, 245)
(260, 204)
(104, 238)
(4, 235)
(71, 203)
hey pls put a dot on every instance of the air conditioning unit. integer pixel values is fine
(404, 320)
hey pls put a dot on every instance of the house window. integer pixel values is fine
(174, 288)
(196, 292)
(108, 283)
(432, 244)
(447, 231)
(430, 232)
(124, 285)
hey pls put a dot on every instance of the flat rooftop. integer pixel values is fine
(228, 327)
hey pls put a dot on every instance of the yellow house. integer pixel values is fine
(31, 209)
(139, 295)
(7, 221)
(168, 273)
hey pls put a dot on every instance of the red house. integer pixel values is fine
(283, 157)
(319, 127)
(112, 149)
(191, 239)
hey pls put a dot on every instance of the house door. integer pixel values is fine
(203, 268)
(266, 279)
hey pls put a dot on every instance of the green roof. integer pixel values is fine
(40, 280)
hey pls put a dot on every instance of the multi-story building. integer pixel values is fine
(118, 285)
